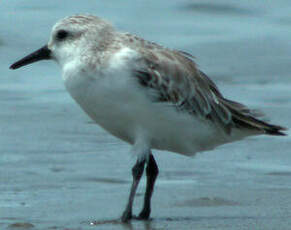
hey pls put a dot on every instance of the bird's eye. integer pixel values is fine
(62, 34)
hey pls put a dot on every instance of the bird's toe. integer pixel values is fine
(126, 216)
(144, 214)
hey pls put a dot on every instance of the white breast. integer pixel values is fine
(116, 102)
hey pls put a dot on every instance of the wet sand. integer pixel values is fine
(60, 171)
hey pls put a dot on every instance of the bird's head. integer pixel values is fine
(72, 38)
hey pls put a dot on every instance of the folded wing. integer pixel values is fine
(176, 80)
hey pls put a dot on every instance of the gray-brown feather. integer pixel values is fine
(176, 80)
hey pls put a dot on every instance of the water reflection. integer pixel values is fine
(133, 225)
(146, 225)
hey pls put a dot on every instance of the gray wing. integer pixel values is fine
(176, 80)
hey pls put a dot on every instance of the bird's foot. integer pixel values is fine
(126, 216)
(144, 214)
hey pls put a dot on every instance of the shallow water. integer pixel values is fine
(60, 171)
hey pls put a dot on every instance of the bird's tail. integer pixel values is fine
(245, 118)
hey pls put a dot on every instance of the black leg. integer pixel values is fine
(152, 171)
(137, 172)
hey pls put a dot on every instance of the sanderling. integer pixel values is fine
(147, 95)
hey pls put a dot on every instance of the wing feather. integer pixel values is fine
(174, 77)
(184, 86)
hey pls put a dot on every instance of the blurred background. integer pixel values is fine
(60, 171)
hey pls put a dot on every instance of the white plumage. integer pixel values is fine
(147, 95)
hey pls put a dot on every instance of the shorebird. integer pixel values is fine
(145, 94)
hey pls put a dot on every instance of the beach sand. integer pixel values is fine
(60, 171)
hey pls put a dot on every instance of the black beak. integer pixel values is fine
(42, 54)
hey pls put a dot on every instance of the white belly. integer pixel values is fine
(125, 109)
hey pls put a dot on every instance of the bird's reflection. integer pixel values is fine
(147, 225)
(133, 225)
